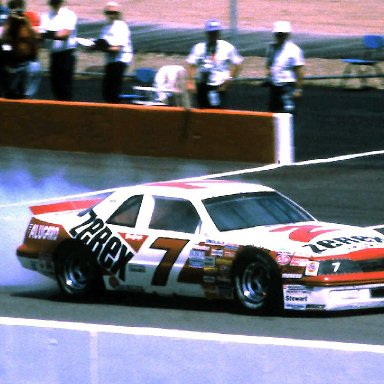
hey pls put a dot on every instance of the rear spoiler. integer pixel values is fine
(64, 206)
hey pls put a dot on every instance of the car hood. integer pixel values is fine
(319, 239)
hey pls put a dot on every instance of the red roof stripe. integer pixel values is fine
(63, 206)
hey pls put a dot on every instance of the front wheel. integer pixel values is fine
(77, 272)
(257, 284)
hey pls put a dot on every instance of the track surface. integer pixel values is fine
(349, 192)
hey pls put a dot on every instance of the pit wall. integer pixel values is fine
(147, 131)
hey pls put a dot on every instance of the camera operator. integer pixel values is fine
(211, 67)
(21, 41)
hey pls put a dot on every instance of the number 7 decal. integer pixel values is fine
(173, 248)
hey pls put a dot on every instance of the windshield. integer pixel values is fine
(247, 210)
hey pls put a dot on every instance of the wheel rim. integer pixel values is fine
(253, 285)
(76, 272)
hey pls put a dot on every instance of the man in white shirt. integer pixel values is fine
(285, 70)
(59, 28)
(211, 66)
(115, 42)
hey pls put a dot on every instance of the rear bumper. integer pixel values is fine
(44, 266)
(304, 298)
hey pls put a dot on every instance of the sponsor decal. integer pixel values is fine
(291, 275)
(312, 268)
(138, 268)
(196, 258)
(214, 242)
(43, 232)
(298, 262)
(298, 299)
(231, 247)
(209, 262)
(134, 240)
(325, 245)
(111, 253)
(283, 258)
(209, 279)
(217, 252)
(229, 254)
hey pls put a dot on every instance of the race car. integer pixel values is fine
(214, 239)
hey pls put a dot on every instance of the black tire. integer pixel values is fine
(257, 284)
(77, 272)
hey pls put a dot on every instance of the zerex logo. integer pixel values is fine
(112, 254)
(322, 246)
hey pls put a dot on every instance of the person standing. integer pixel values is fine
(58, 28)
(22, 68)
(115, 42)
(211, 66)
(4, 11)
(284, 70)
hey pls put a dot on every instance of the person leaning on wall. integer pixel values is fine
(115, 42)
(211, 67)
(284, 70)
(22, 68)
(58, 28)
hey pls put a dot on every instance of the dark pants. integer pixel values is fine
(113, 81)
(204, 97)
(62, 68)
(281, 99)
(2, 70)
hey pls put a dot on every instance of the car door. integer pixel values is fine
(162, 235)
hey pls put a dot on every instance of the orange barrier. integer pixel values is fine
(141, 130)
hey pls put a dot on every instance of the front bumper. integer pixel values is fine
(304, 298)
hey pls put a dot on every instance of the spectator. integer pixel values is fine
(285, 70)
(3, 17)
(115, 42)
(22, 69)
(211, 67)
(59, 28)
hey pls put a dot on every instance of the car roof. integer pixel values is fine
(200, 189)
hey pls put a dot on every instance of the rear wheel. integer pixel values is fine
(257, 284)
(77, 272)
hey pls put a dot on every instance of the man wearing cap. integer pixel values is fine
(59, 28)
(285, 70)
(115, 42)
(211, 66)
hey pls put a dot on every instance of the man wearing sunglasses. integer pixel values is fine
(285, 70)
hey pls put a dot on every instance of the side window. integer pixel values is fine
(174, 215)
(127, 214)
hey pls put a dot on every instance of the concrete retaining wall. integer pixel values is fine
(147, 131)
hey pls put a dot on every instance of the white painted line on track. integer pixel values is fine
(193, 335)
(300, 163)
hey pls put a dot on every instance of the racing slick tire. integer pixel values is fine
(77, 272)
(257, 284)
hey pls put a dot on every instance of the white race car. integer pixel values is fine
(214, 239)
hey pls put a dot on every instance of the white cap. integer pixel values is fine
(282, 27)
(213, 25)
(112, 6)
